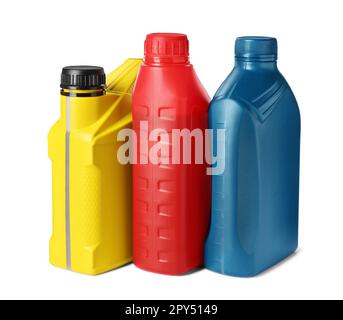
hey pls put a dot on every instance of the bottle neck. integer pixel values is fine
(83, 93)
(166, 60)
(256, 65)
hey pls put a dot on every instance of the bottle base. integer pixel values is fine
(225, 270)
(174, 273)
(96, 271)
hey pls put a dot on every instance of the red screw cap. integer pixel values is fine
(166, 48)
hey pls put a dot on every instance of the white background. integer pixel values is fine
(38, 38)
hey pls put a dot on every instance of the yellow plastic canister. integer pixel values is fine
(92, 197)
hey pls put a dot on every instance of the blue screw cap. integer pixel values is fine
(256, 49)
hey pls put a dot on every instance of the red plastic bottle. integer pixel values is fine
(171, 202)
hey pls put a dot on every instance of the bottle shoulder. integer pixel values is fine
(260, 92)
(249, 83)
(179, 84)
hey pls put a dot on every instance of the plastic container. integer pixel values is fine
(255, 201)
(92, 191)
(171, 201)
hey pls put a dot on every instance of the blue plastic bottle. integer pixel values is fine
(255, 201)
